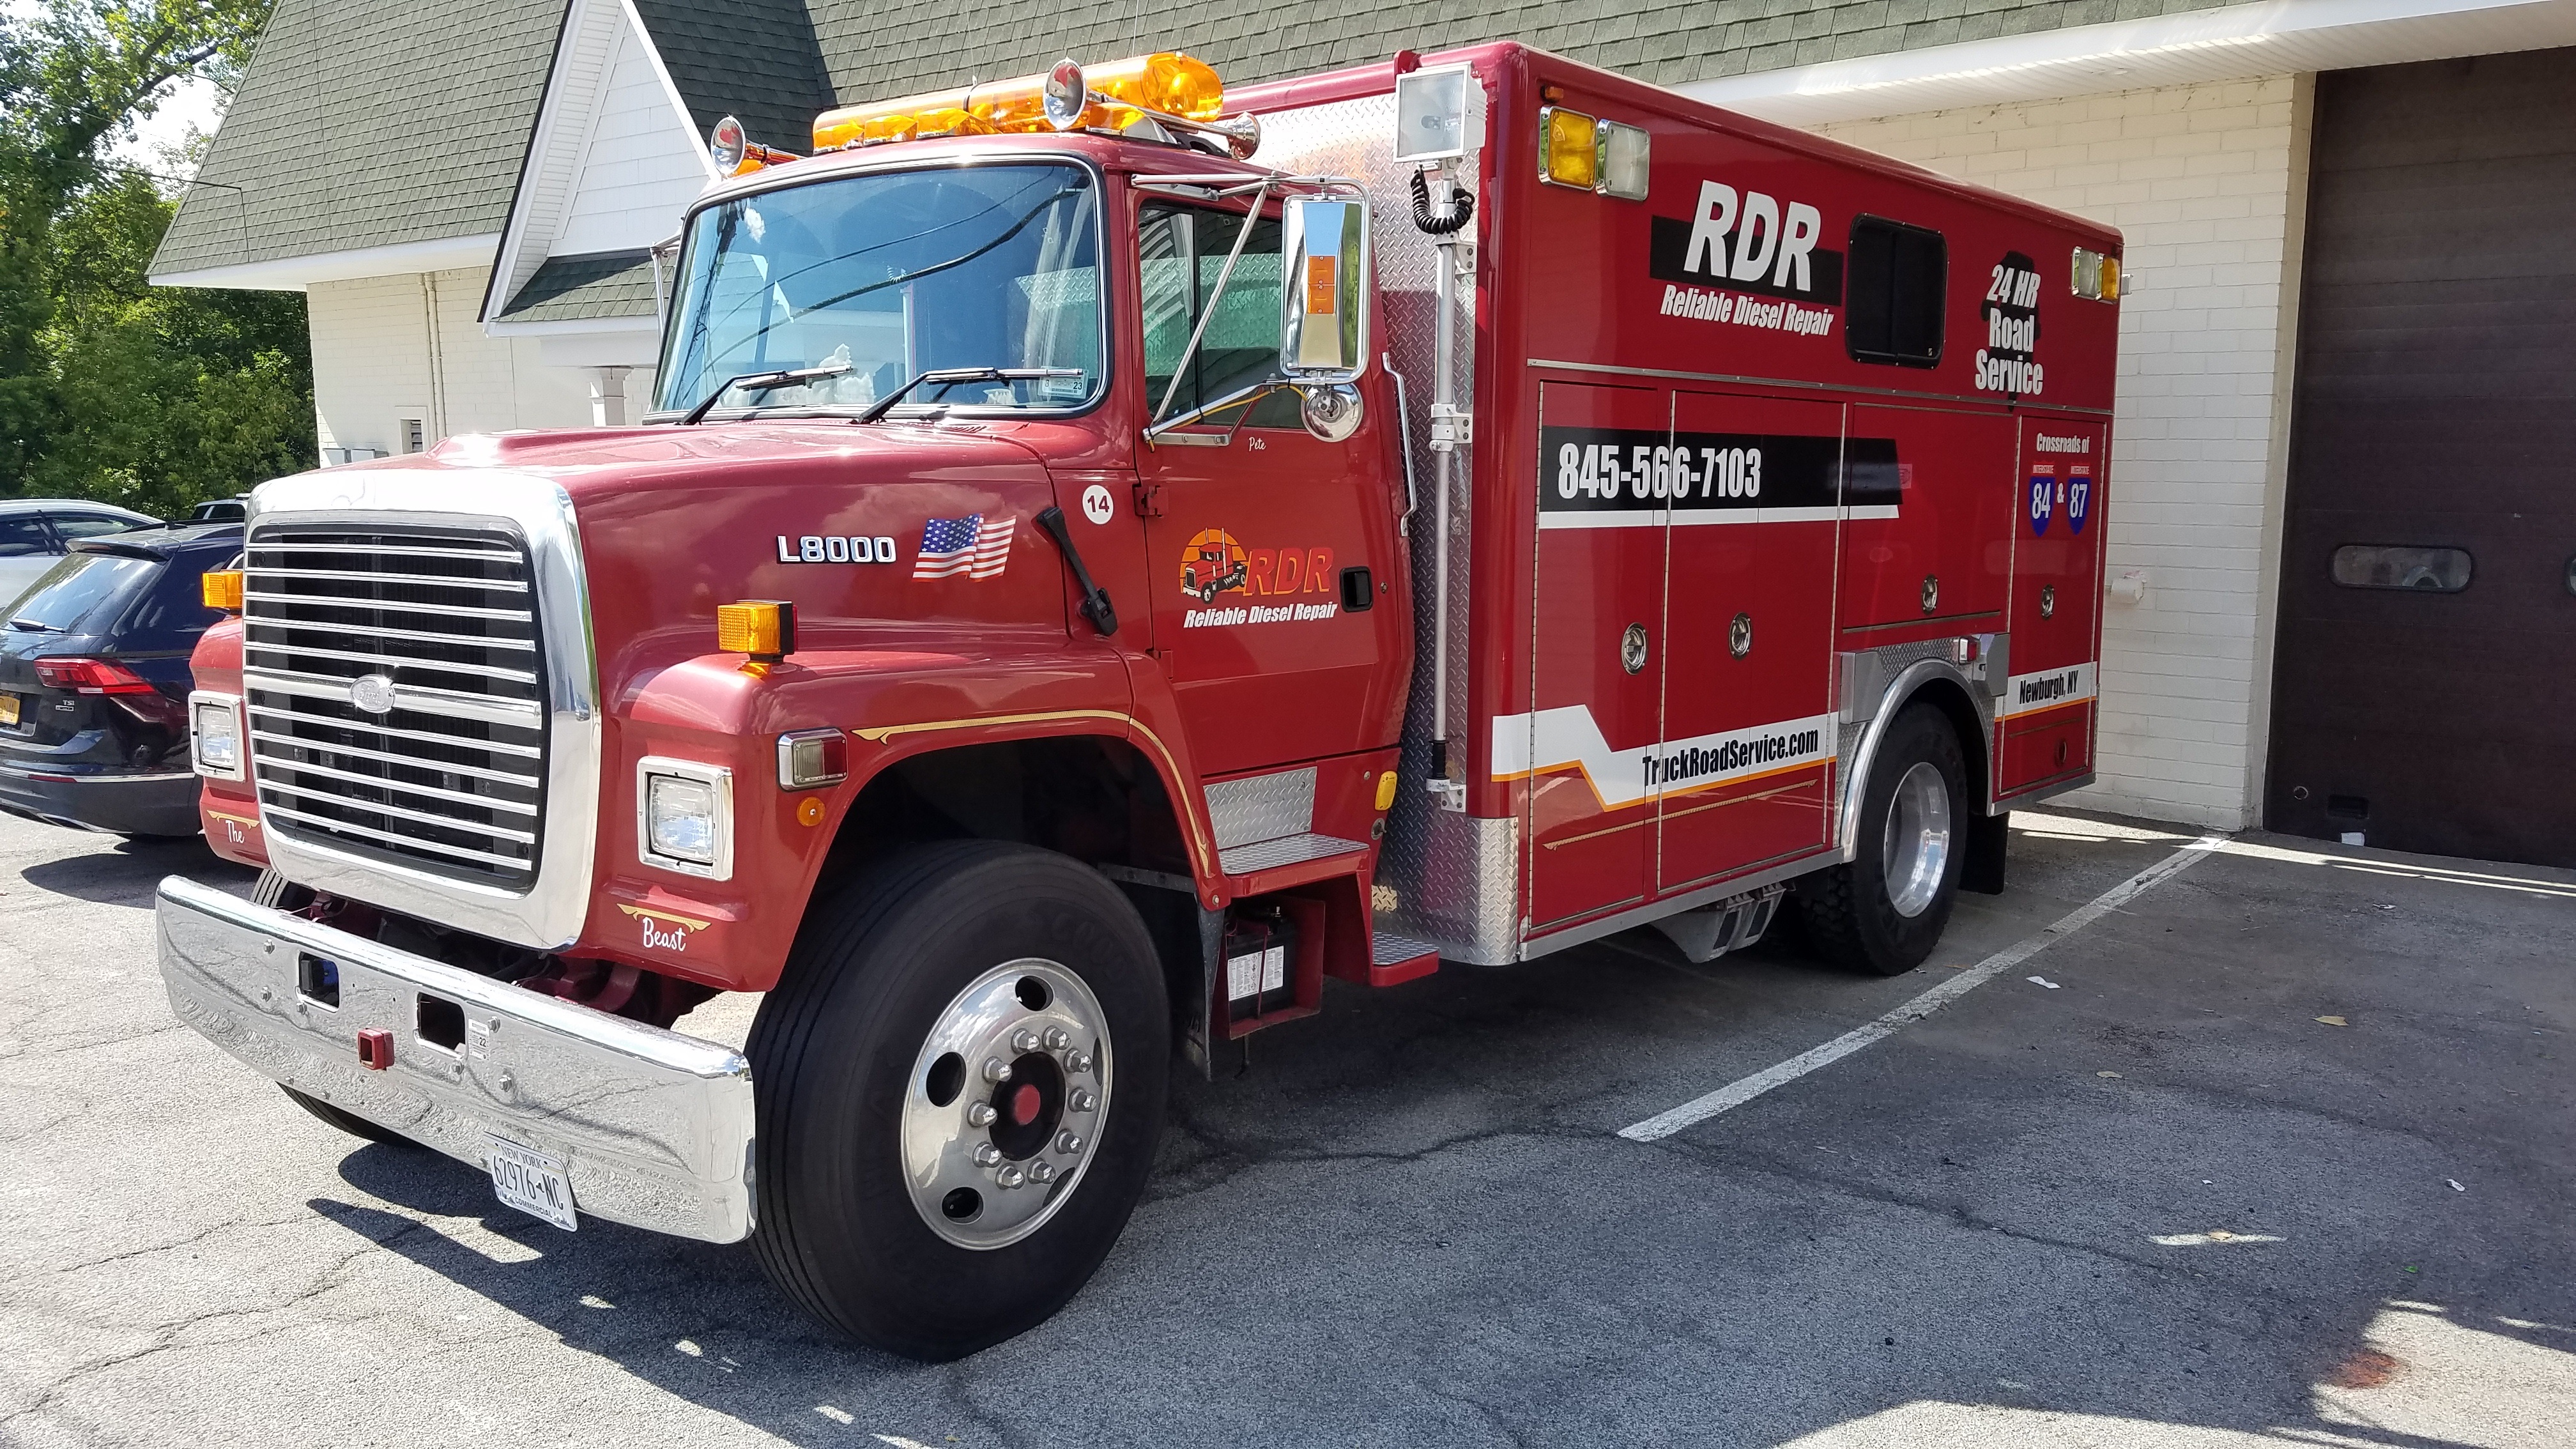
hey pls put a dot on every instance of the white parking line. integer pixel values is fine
(1737, 1093)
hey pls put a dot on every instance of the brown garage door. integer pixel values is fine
(2426, 681)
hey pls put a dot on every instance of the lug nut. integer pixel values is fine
(987, 1154)
(1068, 1142)
(1041, 1172)
(996, 1070)
(1077, 1062)
(1082, 1101)
(981, 1115)
(1056, 1039)
(1024, 1040)
(1010, 1177)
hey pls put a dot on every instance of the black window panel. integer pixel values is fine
(1899, 277)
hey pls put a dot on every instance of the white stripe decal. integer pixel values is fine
(2046, 689)
(1555, 739)
(1736, 1094)
(1692, 517)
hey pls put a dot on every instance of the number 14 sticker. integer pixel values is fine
(2050, 493)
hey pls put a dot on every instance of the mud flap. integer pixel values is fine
(1982, 870)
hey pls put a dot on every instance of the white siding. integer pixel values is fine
(2208, 183)
(377, 357)
(640, 166)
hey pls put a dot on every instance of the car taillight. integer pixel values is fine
(90, 676)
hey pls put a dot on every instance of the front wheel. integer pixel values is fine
(959, 1085)
(1885, 911)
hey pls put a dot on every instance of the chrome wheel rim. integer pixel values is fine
(1004, 1103)
(1916, 852)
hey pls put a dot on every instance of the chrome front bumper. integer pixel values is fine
(654, 1128)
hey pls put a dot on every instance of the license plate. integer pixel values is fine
(8, 709)
(532, 1182)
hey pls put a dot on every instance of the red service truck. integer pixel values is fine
(1106, 556)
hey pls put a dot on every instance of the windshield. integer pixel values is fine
(894, 273)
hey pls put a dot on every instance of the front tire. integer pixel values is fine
(905, 1196)
(1885, 911)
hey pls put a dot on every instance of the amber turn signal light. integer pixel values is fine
(222, 589)
(765, 629)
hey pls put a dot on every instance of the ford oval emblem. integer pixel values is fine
(373, 693)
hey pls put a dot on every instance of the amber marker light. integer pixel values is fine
(1569, 148)
(222, 589)
(809, 811)
(1386, 790)
(765, 629)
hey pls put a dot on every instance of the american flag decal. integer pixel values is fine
(954, 546)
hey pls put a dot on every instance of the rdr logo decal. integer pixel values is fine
(2009, 362)
(1736, 249)
(1214, 563)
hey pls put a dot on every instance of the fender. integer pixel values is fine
(893, 704)
(1900, 692)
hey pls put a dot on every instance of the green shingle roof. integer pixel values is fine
(603, 284)
(875, 48)
(368, 123)
(753, 59)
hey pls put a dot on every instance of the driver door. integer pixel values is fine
(1263, 542)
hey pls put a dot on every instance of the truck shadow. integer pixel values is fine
(123, 873)
(1410, 1221)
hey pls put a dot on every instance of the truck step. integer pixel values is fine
(1286, 850)
(1394, 958)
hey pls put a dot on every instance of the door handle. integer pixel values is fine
(1095, 599)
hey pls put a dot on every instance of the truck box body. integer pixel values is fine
(1859, 514)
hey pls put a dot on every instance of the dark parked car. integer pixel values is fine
(94, 681)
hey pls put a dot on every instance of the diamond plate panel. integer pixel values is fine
(1454, 876)
(1262, 807)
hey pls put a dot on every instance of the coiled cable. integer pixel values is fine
(1460, 210)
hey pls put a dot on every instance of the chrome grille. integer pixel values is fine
(441, 624)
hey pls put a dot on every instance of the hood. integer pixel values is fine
(880, 534)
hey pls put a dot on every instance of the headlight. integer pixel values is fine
(684, 817)
(215, 723)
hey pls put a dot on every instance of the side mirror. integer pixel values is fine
(1323, 304)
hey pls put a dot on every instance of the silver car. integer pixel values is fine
(34, 530)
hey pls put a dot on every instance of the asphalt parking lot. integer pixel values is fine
(2281, 1154)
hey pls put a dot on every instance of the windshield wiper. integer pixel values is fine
(762, 382)
(947, 376)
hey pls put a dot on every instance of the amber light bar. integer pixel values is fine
(1167, 86)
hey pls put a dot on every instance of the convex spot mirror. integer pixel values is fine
(1323, 304)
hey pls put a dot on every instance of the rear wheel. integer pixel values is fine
(1885, 911)
(960, 1084)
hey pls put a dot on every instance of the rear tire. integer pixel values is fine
(901, 1199)
(349, 1122)
(1885, 911)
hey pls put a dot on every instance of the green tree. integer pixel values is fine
(111, 388)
